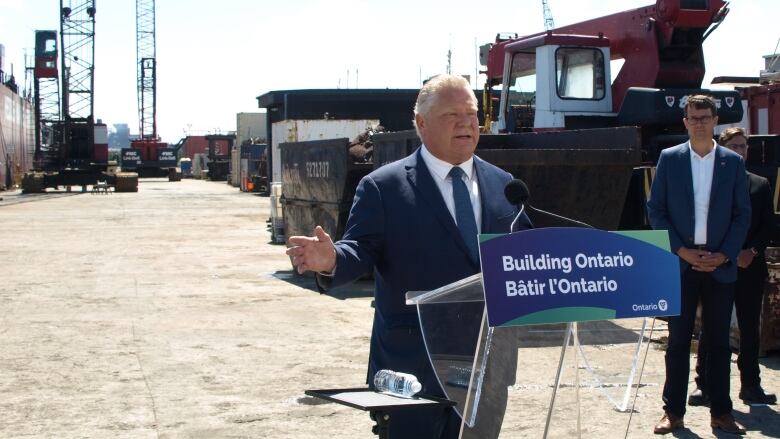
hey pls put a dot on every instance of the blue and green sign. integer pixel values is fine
(554, 275)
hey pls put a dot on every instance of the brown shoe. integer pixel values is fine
(668, 424)
(727, 423)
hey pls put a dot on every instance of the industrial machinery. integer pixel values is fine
(560, 79)
(71, 147)
(220, 146)
(147, 155)
(559, 83)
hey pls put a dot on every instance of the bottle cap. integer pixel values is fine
(416, 387)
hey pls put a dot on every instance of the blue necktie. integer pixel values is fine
(464, 212)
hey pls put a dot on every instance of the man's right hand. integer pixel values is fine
(695, 258)
(745, 258)
(312, 253)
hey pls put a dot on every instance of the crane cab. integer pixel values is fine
(554, 82)
(46, 54)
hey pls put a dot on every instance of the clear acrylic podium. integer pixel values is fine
(530, 381)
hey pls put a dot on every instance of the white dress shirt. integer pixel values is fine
(701, 169)
(440, 172)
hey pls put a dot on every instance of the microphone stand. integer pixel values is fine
(541, 218)
(513, 227)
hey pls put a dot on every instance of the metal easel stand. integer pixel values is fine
(635, 373)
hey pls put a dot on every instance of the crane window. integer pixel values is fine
(522, 80)
(580, 73)
(50, 47)
(696, 5)
(46, 43)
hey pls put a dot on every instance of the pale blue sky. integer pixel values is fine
(215, 57)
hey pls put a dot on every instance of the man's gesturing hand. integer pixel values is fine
(312, 253)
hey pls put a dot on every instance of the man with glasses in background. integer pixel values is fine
(700, 196)
(749, 294)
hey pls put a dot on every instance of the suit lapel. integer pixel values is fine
(685, 171)
(717, 176)
(489, 203)
(421, 180)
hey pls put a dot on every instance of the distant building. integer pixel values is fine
(119, 136)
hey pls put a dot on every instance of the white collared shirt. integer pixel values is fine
(440, 172)
(702, 169)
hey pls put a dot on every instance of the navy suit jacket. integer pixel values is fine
(671, 205)
(400, 228)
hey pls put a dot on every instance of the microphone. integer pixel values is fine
(517, 193)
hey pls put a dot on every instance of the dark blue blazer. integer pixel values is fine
(671, 205)
(400, 228)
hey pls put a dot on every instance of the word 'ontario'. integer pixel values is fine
(547, 262)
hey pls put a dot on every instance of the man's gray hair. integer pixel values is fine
(429, 91)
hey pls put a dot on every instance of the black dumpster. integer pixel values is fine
(389, 147)
(581, 174)
(318, 184)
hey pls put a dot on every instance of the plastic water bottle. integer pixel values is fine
(396, 383)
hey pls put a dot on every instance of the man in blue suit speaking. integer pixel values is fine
(415, 222)
(700, 195)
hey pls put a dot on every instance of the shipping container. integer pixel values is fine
(200, 145)
(319, 184)
(288, 131)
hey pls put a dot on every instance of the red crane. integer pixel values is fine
(71, 145)
(147, 155)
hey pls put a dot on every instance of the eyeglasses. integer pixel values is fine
(737, 145)
(699, 120)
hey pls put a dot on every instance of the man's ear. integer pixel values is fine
(420, 121)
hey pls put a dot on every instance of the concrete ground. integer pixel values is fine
(167, 313)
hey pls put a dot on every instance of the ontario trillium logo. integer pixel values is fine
(662, 305)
